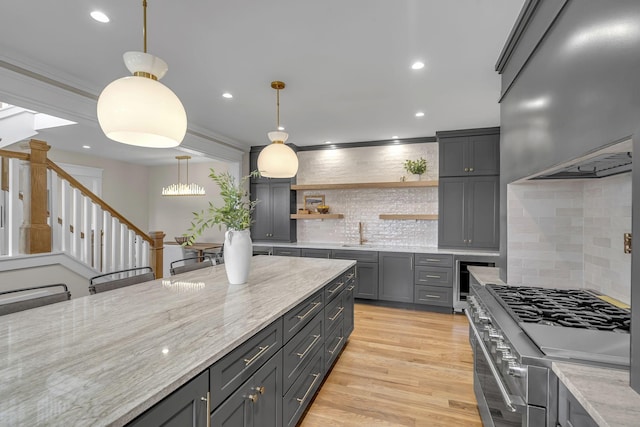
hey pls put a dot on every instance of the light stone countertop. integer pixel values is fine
(604, 393)
(486, 275)
(377, 247)
(106, 358)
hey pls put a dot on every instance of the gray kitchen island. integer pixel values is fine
(184, 346)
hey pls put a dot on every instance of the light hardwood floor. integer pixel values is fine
(400, 368)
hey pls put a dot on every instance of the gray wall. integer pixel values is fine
(578, 91)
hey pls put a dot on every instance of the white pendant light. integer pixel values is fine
(278, 160)
(139, 110)
(181, 189)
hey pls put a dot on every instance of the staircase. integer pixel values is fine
(43, 209)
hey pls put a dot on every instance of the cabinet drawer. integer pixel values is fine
(286, 251)
(350, 276)
(434, 276)
(298, 351)
(236, 367)
(333, 345)
(257, 402)
(334, 288)
(301, 314)
(334, 313)
(296, 400)
(436, 260)
(433, 295)
(361, 256)
(315, 253)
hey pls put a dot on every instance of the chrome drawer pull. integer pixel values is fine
(304, 353)
(422, 280)
(341, 309)
(248, 362)
(433, 260)
(208, 402)
(433, 296)
(431, 276)
(337, 345)
(350, 288)
(315, 378)
(350, 276)
(340, 284)
(314, 305)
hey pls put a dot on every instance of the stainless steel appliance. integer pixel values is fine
(515, 334)
(462, 277)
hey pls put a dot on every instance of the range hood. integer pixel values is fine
(611, 160)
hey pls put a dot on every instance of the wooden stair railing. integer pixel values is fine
(60, 201)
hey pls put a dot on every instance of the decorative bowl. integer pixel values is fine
(323, 209)
(180, 240)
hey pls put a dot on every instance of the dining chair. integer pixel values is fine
(120, 279)
(190, 264)
(32, 297)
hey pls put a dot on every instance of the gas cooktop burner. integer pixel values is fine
(573, 308)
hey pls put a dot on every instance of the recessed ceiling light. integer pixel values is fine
(86, 146)
(417, 65)
(419, 114)
(99, 16)
(280, 127)
(327, 142)
(394, 137)
(227, 95)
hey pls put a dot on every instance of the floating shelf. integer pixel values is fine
(317, 216)
(407, 216)
(356, 185)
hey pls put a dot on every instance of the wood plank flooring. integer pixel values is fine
(400, 368)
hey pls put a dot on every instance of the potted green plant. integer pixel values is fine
(416, 167)
(235, 214)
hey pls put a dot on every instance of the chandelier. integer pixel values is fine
(181, 189)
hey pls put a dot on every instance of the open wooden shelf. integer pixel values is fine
(358, 185)
(408, 216)
(317, 216)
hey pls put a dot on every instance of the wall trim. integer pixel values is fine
(467, 132)
(21, 262)
(518, 30)
(400, 141)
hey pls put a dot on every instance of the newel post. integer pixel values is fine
(157, 252)
(36, 230)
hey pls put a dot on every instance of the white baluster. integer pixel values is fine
(107, 246)
(97, 237)
(86, 228)
(76, 206)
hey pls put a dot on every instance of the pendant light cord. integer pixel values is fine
(278, 109)
(144, 24)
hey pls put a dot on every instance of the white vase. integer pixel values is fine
(237, 255)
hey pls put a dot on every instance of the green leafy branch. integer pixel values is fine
(417, 167)
(235, 213)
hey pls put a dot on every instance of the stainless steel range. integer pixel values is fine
(515, 334)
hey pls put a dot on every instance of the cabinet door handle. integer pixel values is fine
(313, 307)
(433, 296)
(335, 316)
(466, 169)
(315, 379)
(433, 260)
(350, 276)
(253, 398)
(431, 276)
(337, 345)
(304, 353)
(411, 259)
(350, 288)
(248, 362)
(208, 401)
(470, 169)
(340, 284)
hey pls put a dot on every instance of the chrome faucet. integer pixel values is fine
(360, 230)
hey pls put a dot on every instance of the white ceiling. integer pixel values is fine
(346, 63)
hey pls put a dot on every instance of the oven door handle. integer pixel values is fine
(512, 402)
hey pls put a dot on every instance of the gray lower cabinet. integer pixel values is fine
(349, 313)
(185, 407)
(272, 215)
(396, 276)
(286, 251)
(366, 273)
(570, 411)
(315, 253)
(257, 402)
(298, 397)
(468, 212)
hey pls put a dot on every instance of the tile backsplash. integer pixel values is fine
(568, 234)
(370, 164)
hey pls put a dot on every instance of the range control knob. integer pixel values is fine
(495, 335)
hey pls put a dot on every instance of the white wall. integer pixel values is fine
(569, 234)
(173, 215)
(370, 164)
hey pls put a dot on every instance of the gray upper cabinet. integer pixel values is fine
(463, 153)
(272, 216)
(396, 279)
(469, 212)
